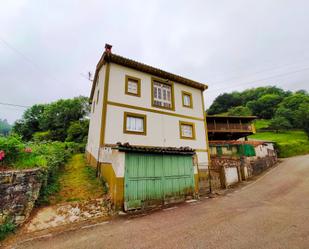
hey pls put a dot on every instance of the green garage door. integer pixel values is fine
(152, 179)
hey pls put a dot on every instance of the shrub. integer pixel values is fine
(11, 145)
(6, 228)
(42, 136)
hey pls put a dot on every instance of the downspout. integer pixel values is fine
(207, 143)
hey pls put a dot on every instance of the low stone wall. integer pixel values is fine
(220, 173)
(258, 165)
(19, 189)
(245, 167)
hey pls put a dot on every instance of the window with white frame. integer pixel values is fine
(134, 123)
(162, 95)
(187, 130)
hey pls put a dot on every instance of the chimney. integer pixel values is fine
(108, 48)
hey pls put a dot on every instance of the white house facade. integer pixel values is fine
(147, 133)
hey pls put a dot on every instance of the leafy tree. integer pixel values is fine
(5, 127)
(228, 100)
(54, 118)
(279, 123)
(58, 116)
(40, 136)
(265, 106)
(239, 111)
(224, 102)
(303, 116)
(30, 121)
(289, 106)
(78, 131)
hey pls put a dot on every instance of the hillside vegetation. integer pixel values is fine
(281, 110)
(5, 127)
(289, 143)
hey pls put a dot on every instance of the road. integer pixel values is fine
(272, 212)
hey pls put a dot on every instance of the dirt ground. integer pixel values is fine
(272, 212)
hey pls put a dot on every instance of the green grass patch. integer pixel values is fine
(289, 143)
(78, 182)
(261, 123)
(6, 228)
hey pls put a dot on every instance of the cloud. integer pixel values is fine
(230, 45)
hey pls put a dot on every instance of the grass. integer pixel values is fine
(78, 182)
(6, 228)
(261, 123)
(289, 143)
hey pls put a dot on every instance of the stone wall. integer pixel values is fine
(19, 189)
(246, 168)
(218, 170)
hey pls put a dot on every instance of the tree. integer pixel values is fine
(58, 116)
(265, 106)
(54, 118)
(5, 127)
(303, 116)
(279, 123)
(228, 100)
(78, 131)
(223, 102)
(239, 111)
(30, 121)
(289, 106)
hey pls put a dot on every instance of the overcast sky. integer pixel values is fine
(45, 46)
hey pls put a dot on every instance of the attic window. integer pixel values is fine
(133, 86)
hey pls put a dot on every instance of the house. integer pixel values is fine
(229, 127)
(234, 160)
(147, 134)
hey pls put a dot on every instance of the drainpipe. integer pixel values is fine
(98, 163)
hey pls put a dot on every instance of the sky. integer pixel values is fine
(48, 47)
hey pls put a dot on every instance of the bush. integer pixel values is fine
(11, 145)
(6, 228)
(42, 136)
(56, 154)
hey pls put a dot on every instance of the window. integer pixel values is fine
(187, 130)
(134, 123)
(187, 99)
(162, 94)
(133, 86)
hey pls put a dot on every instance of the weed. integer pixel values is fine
(6, 228)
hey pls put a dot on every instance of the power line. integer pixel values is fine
(27, 59)
(14, 105)
(266, 78)
(258, 72)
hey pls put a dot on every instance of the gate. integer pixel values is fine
(157, 179)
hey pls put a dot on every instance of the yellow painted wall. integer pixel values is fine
(115, 184)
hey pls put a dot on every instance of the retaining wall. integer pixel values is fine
(19, 189)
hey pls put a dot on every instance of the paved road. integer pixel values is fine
(272, 212)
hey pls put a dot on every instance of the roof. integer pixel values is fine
(155, 149)
(231, 117)
(238, 142)
(108, 57)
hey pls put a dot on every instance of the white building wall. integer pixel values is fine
(162, 130)
(117, 92)
(93, 142)
(262, 150)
